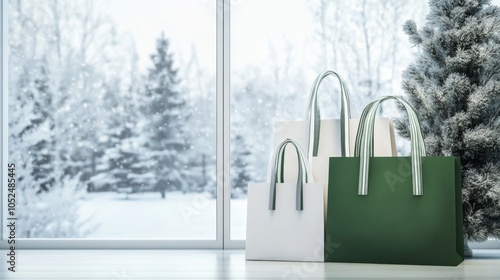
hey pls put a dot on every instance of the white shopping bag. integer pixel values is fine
(330, 138)
(285, 220)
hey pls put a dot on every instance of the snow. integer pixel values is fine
(146, 215)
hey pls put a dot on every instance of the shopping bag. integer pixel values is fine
(285, 220)
(325, 138)
(394, 210)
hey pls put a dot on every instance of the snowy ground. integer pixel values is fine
(178, 216)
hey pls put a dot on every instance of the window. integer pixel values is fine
(111, 121)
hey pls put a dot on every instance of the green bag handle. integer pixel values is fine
(364, 144)
(276, 173)
(313, 116)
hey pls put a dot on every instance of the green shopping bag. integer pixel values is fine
(394, 210)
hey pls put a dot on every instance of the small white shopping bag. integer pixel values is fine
(285, 221)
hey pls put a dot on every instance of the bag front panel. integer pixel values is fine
(390, 225)
(285, 233)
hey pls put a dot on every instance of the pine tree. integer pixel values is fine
(30, 124)
(202, 160)
(47, 201)
(43, 151)
(125, 162)
(168, 114)
(47, 204)
(130, 164)
(454, 85)
(241, 170)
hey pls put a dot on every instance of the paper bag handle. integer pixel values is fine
(276, 171)
(313, 118)
(364, 144)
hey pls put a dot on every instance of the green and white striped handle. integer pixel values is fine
(276, 173)
(364, 144)
(313, 116)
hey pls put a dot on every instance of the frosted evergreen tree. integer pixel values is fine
(47, 201)
(41, 122)
(241, 170)
(129, 163)
(47, 204)
(167, 116)
(454, 85)
(198, 82)
(254, 108)
(30, 122)
(125, 162)
(53, 214)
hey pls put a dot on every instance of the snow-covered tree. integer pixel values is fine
(30, 124)
(129, 163)
(167, 115)
(242, 171)
(43, 151)
(199, 84)
(52, 214)
(454, 85)
(47, 203)
(126, 161)
(57, 64)
(254, 105)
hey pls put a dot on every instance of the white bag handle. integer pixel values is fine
(364, 144)
(313, 118)
(276, 170)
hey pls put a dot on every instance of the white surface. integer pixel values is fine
(216, 264)
(285, 233)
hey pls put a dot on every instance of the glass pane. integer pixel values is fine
(276, 53)
(112, 118)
